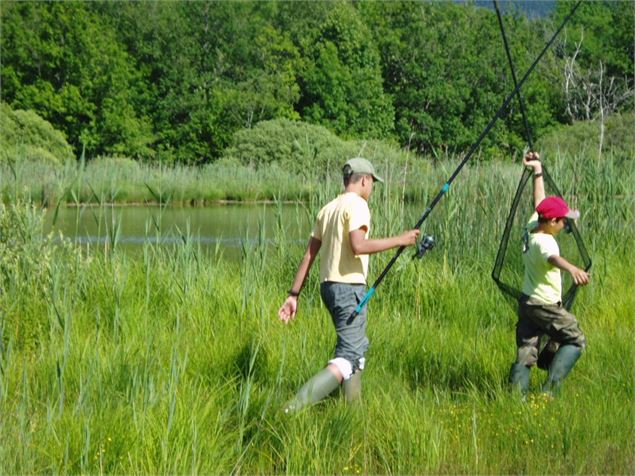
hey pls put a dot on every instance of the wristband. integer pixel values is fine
(539, 174)
(293, 293)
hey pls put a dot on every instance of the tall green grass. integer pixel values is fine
(174, 361)
(123, 181)
(278, 160)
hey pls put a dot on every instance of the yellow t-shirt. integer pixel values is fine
(336, 220)
(542, 280)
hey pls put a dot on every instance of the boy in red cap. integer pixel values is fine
(540, 308)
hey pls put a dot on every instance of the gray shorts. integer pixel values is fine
(535, 319)
(341, 300)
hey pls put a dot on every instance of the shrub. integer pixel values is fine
(619, 135)
(117, 168)
(583, 137)
(26, 136)
(302, 148)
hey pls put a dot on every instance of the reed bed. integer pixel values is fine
(123, 181)
(174, 361)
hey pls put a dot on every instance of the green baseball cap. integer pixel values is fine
(359, 165)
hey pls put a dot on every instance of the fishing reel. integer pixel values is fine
(425, 244)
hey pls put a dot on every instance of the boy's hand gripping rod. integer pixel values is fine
(446, 185)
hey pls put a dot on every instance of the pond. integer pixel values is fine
(226, 226)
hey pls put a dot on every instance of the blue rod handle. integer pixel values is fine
(363, 302)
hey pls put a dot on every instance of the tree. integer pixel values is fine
(605, 31)
(441, 89)
(445, 66)
(542, 98)
(341, 83)
(212, 68)
(61, 62)
(597, 61)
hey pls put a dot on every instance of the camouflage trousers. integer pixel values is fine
(536, 319)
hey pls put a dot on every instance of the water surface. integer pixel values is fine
(227, 226)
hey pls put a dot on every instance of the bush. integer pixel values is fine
(582, 138)
(619, 135)
(115, 168)
(26, 136)
(302, 148)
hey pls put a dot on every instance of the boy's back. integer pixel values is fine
(334, 222)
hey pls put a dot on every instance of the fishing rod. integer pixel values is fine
(498, 263)
(571, 227)
(521, 102)
(446, 185)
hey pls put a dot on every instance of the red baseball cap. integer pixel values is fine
(556, 207)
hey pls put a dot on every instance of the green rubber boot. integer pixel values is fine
(353, 387)
(561, 365)
(519, 377)
(318, 387)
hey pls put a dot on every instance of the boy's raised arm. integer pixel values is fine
(532, 161)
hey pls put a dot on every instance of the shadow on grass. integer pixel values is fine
(451, 373)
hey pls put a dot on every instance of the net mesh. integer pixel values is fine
(508, 267)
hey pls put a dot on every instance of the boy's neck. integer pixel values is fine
(354, 188)
(545, 228)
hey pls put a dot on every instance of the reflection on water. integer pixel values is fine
(227, 226)
(169, 240)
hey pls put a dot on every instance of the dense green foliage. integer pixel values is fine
(581, 138)
(299, 155)
(26, 136)
(342, 83)
(173, 81)
(448, 77)
(59, 61)
(303, 148)
(172, 360)
(603, 29)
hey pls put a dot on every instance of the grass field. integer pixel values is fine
(174, 361)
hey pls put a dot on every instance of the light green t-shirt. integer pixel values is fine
(542, 280)
(336, 220)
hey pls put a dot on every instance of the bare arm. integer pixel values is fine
(304, 267)
(580, 277)
(532, 161)
(361, 246)
(290, 306)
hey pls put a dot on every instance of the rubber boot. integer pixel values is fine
(519, 377)
(561, 365)
(318, 387)
(353, 387)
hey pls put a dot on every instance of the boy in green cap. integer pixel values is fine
(342, 231)
(540, 308)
